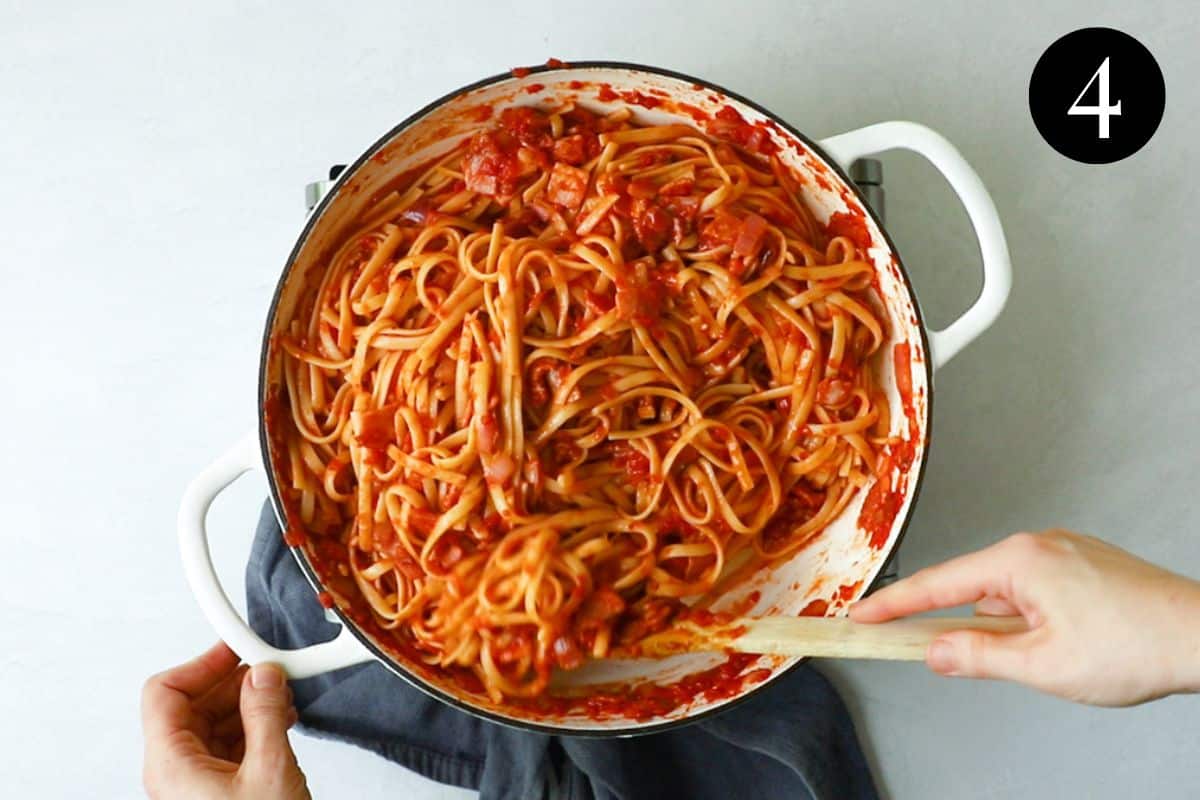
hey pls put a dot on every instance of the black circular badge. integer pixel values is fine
(1097, 95)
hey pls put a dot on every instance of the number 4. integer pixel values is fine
(1103, 110)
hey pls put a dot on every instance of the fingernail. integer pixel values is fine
(266, 676)
(940, 657)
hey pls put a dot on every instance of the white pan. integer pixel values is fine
(837, 569)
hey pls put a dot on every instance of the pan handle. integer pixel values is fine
(997, 268)
(342, 651)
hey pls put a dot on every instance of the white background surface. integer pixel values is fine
(151, 168)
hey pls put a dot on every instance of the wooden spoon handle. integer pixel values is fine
(838, 637)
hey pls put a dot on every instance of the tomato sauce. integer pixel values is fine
(631, 462)
(294, 536)
(638, 702)
(646, 701)
(853, 226)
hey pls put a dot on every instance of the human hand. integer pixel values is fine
(1106, 628)
(214, 729)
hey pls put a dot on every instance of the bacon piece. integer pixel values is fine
(567, 186)
(722, 229)
(750, 236)
(490, 165)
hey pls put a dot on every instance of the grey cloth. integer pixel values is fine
(793, 739)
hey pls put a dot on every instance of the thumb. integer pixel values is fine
(979, 654)
(266, 709)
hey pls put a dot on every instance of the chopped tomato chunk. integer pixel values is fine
(571, 149)
(597, 303)
(652, 225)
(632, 462)
(528, 125)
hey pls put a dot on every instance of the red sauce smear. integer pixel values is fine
(534, 88)
(846, 592)
(325, 599)
(519, 72)
(693, 111)
(647, 701)
(879, 512)
(639, 99)
(884, 500)
(817, 608)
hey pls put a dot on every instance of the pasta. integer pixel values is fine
(564, 381)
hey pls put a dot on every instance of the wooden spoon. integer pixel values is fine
(822, 637)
